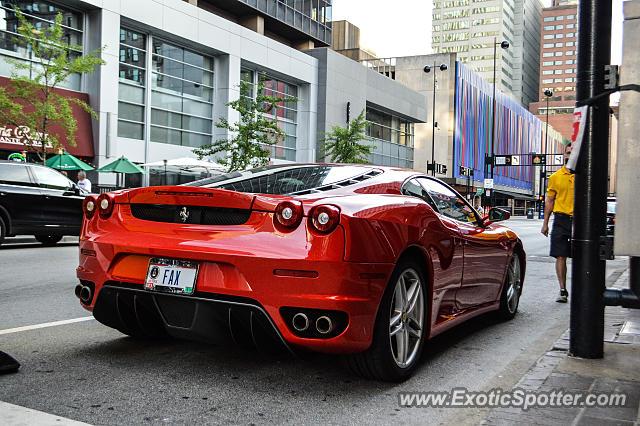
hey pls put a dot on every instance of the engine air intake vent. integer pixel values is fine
(340, 184)
(197, 215)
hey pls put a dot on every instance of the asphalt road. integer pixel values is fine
(85, 371)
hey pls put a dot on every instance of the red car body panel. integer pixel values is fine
(346, 270)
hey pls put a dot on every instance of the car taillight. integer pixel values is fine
(324, 219)
(289, 214)
(89, 206)
(105, 205)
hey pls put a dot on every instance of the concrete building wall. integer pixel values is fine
(342, 80)
(410, 72)
(232, 47)
(628, 157)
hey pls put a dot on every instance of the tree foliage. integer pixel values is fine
(249, 138)
(30, 100)
(344, 145)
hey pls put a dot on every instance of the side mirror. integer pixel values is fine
(72, 190)
(496, 215)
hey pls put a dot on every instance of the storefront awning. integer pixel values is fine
(13, 138)
(516, 195)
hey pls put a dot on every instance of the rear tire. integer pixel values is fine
(511, 290)
(399, 332)
(48, 240)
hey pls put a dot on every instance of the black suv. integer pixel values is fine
(38, 200)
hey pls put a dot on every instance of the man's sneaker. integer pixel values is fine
(563, 296)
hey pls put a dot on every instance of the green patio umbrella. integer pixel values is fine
(66, 161)
(121, 165)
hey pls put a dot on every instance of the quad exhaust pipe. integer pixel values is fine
(324, 325)
(84, 293)
(300, 322)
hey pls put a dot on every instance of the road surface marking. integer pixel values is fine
(43, 325)
(16, 415)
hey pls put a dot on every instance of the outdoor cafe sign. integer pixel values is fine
(21, 135)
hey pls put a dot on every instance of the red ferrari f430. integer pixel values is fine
(361, 260)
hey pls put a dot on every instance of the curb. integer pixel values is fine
(25, 239)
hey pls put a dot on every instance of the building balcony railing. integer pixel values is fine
(384, 66)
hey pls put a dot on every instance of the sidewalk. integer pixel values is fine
(618, 371)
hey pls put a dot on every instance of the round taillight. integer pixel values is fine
(289, 214)
(105, 205)
(324, 219)
(89, 206)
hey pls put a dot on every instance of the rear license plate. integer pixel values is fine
(171, 276)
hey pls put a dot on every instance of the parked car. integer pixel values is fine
(611, 215)
(38, 200)
(353, 259)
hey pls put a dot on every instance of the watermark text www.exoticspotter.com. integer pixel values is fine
(517, 398)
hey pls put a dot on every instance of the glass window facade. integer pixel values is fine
(181, 95)
(174, 82)
(393, 139)
(41, 14)
(131, 88)
(286, 115)
(312, 17)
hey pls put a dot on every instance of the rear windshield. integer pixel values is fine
(283, 179)
(611, 207)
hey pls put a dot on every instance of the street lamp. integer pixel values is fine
(427, 68)
(505, 45)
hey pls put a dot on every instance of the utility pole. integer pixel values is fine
(589, 213)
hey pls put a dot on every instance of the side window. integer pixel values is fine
(49, 178)
(15, 175)
(448, 202)
(414, 189)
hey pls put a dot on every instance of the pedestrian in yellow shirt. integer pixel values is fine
(559, 199)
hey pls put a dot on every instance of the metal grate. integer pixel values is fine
(194, 214)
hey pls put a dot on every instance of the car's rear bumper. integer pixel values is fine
(202, 317)
(234, 286)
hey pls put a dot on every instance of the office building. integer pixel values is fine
(172, 67)
(558, 65)
(471, 29)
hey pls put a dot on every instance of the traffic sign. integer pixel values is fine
(466, 171)
(558, 160)
(488, 184)
(502, 160)
(538, 159)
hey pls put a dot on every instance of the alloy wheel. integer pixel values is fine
(406, 318)
(514, 284)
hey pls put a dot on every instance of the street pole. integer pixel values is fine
(427, 68)
(504, 45)
(493, 111)
(588, 270)
(433, 123)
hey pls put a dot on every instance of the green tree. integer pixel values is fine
(344, 145)
(250, 137)
(30, 100)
